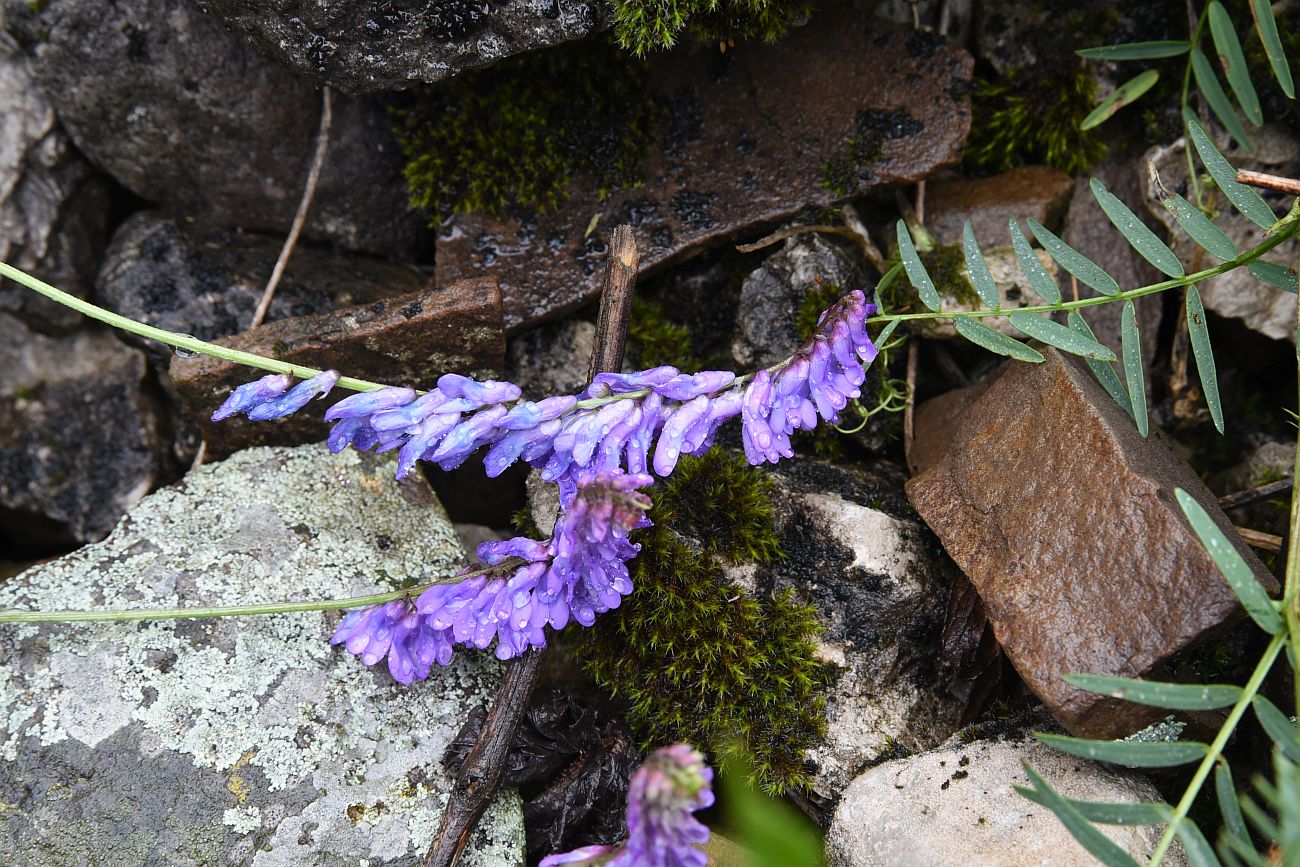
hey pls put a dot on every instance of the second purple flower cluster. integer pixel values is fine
(637, 422)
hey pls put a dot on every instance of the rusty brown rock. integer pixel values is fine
(1041, 192)
(408, 340)
(1064, 518)
(740, 151)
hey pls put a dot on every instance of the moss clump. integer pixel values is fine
(843, 173)
(820, 297)
(654, 339)
(646, 25)
(516, 133)
(695, 657)
(946, 265)
(1032, 116)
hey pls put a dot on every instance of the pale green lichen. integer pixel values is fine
(265, 700)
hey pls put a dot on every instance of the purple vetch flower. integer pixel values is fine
(672, 784)
(577, 574)
(633, 421)
(267, 398)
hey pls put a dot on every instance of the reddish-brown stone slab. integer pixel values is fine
(1064, 519)
(743, 146)
(1041, 192)
(407, 340)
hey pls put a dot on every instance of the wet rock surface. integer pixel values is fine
(182, 112)
(207, 282)
(53, 206)
(1064, 519)
(771, 297)
(80, 437)
(1237, 294)
(957, 806)
(361, 46)
(409, 340)
(747, 142)
(858, 554)
(246, 740)
(1041, 192)
(552, 359)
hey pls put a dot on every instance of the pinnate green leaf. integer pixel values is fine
(977, 269)
(1135, 231)
(1055, 334)
(1243, 198)
(1137, 50)
(1233, 60)
(1278, 727)
(1039, 280)
(1266, 26)
(1133, 754)
(1104, 371)
(1073, 261)
(915, 269)
(1090, 838)
(1175, 696)
(995, 341)
(1199, 332)
(1126, 94)
(1130, 345)
(1215, 95)
(1200, 228)
(1274, 274)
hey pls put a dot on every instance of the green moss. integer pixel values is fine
(647, 25)
(654, 339)
(843, 173)
(697, 658)
(1032, 116)
(514, 134)
(946, 265)
(822, 295)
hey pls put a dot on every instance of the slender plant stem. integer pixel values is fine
(1216, 748)
(12, 615)
(1285, 232)
(172, 338)
(1192, 177)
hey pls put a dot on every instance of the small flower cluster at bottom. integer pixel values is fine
(579, 573)
(661, 832)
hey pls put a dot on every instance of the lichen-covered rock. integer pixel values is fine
(53, 207)
(80, 437)
(361, 46)
(857, 553)
(207, 282)
(956, 806)
(184, 113)
(236, 741)
(1237, 294)
(807, 268)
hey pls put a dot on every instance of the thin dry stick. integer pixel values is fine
(1269, 182)
(1254, 495)
(481, 773)
(1262, 541)
(909, 408)
(300, 218)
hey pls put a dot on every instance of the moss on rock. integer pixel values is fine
(646, 25)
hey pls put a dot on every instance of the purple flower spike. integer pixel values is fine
(396, 630)
(368, 403)
(688, 386)
(251, 394)
(672, 784)
(296, 398)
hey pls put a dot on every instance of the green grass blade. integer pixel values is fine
(1107, 814)
(915, 270)
(1229, 806)
(1039, 280)
(1136, 232)
(1175, 696)
(1073, 261)
(1214, 94)
(1273, 274)
(1266, 26)
(1200, 334)
(977, 269)
(1243, 198)
(1239, 576)
(1278, 727)
(1055, 334)
(1137, 50)
(1200, 228)
(1098, 844)
(1104, 372)
(1198, 850)
(994, 341)
(1126, 94)
(1233, 60)
(1132, 754)
(1130, 344)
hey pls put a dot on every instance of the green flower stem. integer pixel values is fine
(1216, 749)
(11, 615)
(172, 338)
(1285, 231)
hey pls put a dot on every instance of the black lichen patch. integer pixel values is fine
(697, 658)
(515, 134)
(692, 208)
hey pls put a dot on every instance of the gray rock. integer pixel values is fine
(207, 282)
(956, 806)
(53, 207)
(772, 295)
(1237, 294)
(80, 438)
(237, 741)
(361, 46)
(184, 113)
(552, 359)
(856, 552)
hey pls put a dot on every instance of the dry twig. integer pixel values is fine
(1269, 182)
